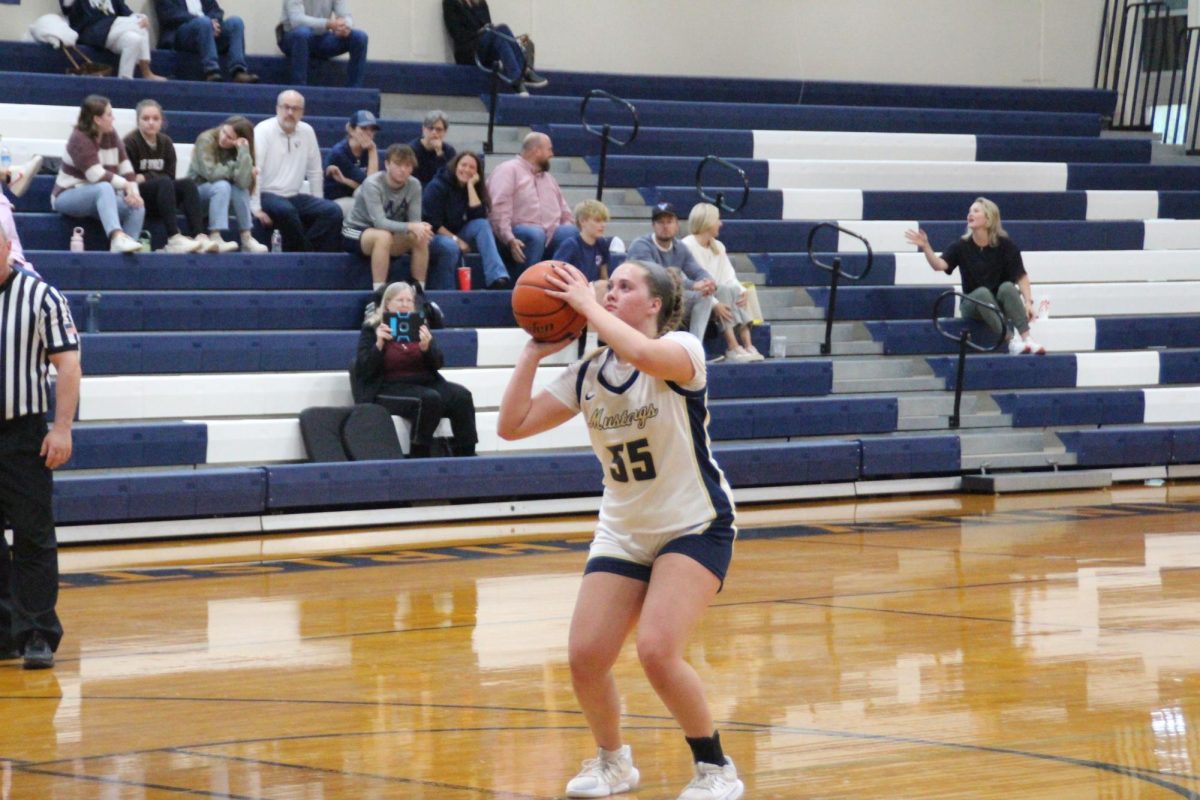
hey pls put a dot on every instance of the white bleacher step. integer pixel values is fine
(395, 105)
(863, 368)
(807, 332)
(794, 313)
(850, 348)
(1040, 481)
(614, 196)
(941, 422)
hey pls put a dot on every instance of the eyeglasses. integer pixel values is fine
(287, 107)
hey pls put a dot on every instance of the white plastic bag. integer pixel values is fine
(53, 30)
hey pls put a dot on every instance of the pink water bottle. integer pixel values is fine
(77, 241)
(464, 279)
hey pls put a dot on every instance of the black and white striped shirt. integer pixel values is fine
(35, 322)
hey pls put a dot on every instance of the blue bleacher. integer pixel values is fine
(160, 495)
(996, 371)
(451, 79)
(796, 269)
(699, 142)
(1142, 332)
(1181, 366)
(1079, 407)
(180, 353)
(143, 444)
(248, 310)
(544, 110)
(41, 89)
(1119, 447)
(775, 418)
(878, 205)
(1185, 444)
(894, 456)
(633, 170)
(880, 302)
(104, 271)
(773, 378)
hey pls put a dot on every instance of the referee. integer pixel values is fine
(35, 330)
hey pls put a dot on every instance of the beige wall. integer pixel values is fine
(989, 42)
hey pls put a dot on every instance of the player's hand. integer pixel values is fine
(572, 286)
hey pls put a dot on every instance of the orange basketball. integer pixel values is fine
(545, 318)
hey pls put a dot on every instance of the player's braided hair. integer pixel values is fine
(667, 285)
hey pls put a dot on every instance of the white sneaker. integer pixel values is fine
(1015, 346)
(124, 243)
(1033, 347)
(714, 783)
(218, 245)
(20, 177)
(606, 774)
(754, 354)
(252, 245)
(181, 244)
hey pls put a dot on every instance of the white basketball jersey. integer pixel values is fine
(651, 437)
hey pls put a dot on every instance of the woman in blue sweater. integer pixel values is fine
(456, 204)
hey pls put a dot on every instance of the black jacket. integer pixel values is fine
(368, 366)
(464, 21)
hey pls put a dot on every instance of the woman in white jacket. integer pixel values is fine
(729, 309)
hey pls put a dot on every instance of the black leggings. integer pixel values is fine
(439, 398)
(165, 197)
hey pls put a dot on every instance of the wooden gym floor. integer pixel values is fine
(1041, 648)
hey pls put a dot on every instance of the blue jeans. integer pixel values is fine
(493, 48)
(221, 196)
(304, 43)
(444, 255)
(196, 36)
(536, 246)
(100, 201)
(306, 223)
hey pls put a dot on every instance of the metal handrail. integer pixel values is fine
(605, 132)
(835, 278)
(496, 72)
(963, 337)
(1123, 64)
(1179, 126)
(719, 199)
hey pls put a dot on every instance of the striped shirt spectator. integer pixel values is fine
(89, 160)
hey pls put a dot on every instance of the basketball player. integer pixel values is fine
(665, 534)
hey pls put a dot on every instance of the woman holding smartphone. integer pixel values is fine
(389, 366)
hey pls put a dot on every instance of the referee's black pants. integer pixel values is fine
(28, 570)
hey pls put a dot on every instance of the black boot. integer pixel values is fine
(418, 450)
(463, 449)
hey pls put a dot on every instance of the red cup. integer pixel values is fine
(464, 279)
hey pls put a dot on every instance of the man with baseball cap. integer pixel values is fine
(351, 160)
(663, 248)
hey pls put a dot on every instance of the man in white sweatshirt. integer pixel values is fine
(320, 29)
(287, 153)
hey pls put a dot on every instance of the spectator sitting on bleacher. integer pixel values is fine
(992, 272)
(320, 29)
(96, 179)
(663, 248)
(469, 23)
(152, 154)
(394, 368)
(455, 204)
(287, 153)
(529, 215)
(223, 169)
(433, 154)
(730, 307)
(201, 28)
(587, 250)
(111, 25)
(18, 177)
(351, 160)
(386, 220)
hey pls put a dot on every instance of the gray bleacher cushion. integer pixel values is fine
(321, 429)
(370, 435)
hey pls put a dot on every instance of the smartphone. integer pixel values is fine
(406, 326)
